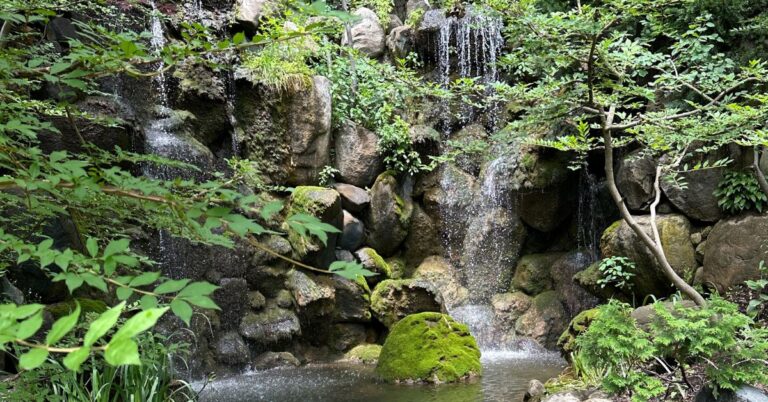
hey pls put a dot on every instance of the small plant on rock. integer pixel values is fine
(616, 271)
(739, 192)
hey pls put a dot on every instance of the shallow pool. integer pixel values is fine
(505, 378)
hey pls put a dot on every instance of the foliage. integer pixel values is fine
(616, 271)
(414, 18)
(759, 286)
(739, 192)
(382, 8)
(396, 145)
(647, 361)
(327, 174)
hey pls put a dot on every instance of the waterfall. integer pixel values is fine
(589, 220)
(230, 107)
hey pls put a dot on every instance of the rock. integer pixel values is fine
(644, 315)
(544, 210)
(447, 200)
(535, 391)
(563, 397)
(491, 251)
(310, 131)
(278, 244)
(352, 234)
(366, 354)
(544, 321)
(424, 138)
(397, 267)
(675, 231)
(400, 42)
(579, 324)
(413, 5)
(229, 297)
(423, 238)
(509, 307)
(283, 299)
(394, 22)
(429, 347)
(367, 34)
(273, 325)
(442, 276)
(270, 360)
(634, 177)
(373, 262)
(357, 155)
(470, 162)
(598, 400)
(256, 300)
(230, 348)
(532, 274)
(744, 394)
(697, 200)
(306, 289)
(353, 300)
(345, 255)
(248, 12)
(345, 336)
(574, 297)
(267, 280)
(389, 215)
(325, 204)
(394, 299)
(353, 198)
(733, 251)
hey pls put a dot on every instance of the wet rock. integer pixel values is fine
(366, 354)
(439, 273)
(744, 394)
(734, 249)
(229, 297)
(270, 360)
(345, 255)
(367, 34)
(267, 280)
(393, 22)
(532, 274)
(429, 347)
(644, 315)
(230, 348)
(278, 244)
(545, 209)
(579, 324)
(448, 194)
(283, 299)
(357, 155)
(574, 297)
(509, 307)
(372, 261)
(353, 198)
(307, 289)
(248, 12)
(394, 299)
(470, 162)
(563, 397)
(675, 231)
(345, 336)
(544, 321)
(413, 5)
(352, 234)
(352, 301)
(389, 215)
(310, 131)
(256, 300)
(634, 177)
(400, 42)
(697, 200)
(325, 204)
(535, 391)
(271, 326)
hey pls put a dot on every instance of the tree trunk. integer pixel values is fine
(759, 172)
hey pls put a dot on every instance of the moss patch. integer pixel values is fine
(578, 325)
(429, 347)
(367, 354)
(67, 307)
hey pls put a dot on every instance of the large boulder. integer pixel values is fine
(574, 297)
(310, 131)
(365, 353)
(429, 347)
(353, 198)
(745, 393)
(352, 301)
(697, 200)
(532, 274)
(271, 326)
(394, 299)
(325, 204)
(400, 42)
(634, 177)
(248, 12)
(675, 232)
(443, 277)
(389, 215)
(734, 249)
(367, 34)
(357, 155)
(448, 195)
(353, 233)
(544, 321)
(308, 291)
(229, 348)
(423, 238)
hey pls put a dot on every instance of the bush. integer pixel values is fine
(739, 192)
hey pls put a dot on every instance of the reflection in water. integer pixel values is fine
(505, 378)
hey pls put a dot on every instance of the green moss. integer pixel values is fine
(367, 354)
(429, 347)
(578, 325)
(305, 199)
(86, 306)
(380, 266)
(310, 200)
(396, 267)
(610, 229)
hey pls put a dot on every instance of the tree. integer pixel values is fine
(622, 72)
(95, 190)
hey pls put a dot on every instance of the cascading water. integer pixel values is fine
(589, 222)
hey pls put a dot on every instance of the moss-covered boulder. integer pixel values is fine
(579, 324)
(324, 204)
(394, 299)
(544, 321)
(389, 215)
(372, 261)
(532, 273)
(429, 347)
(365, 353)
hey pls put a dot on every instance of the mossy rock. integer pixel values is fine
(324, 204)
(532, 273)
(67, 307)
(429, 347)
(366, 354)
(394, 299)
(374, 262)
(578, 325)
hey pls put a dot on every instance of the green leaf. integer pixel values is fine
(92, 246)
(349, 270)
(238, 38)
(116, 246)
(29, 326)
(147, 302)
(75, 359)
(198, 289)
(123, 293)
(33, 359)
(145, 279)
(95, 281)
(269, 210)
(59, 67)
(171, 286)
(202, 301)
(73, 281)
(62, 326)
(103, 324)
(140, 322)
(25, 310)
(122, 351)
(182, 310)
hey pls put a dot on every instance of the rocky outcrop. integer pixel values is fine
(575, 298)
(634, 177)
(423, 238)
(389, 215)
(272, 326)
(357, 156)
(697, 199)
(429, 347)
(353, 198)
(310, 131)
(532, 272)
(393, 299)
(230, 348)
(367, 34)
(444, 278)
(544, 321)
(400, 42)
(325, 204)
(733, 251)
(675, 232)
(352, 301)
(353, 233)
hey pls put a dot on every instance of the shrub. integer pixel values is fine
(739, 192)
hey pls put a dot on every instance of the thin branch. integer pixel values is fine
(759, 172)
